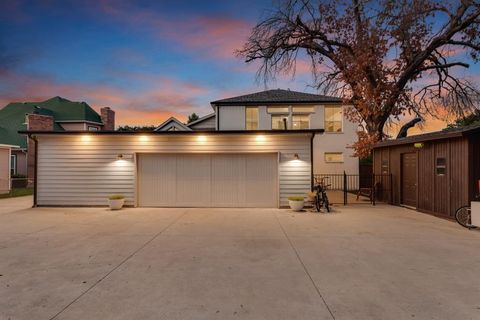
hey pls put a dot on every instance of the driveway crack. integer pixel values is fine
(317, 289)
(120, 264)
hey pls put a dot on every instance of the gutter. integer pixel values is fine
(311, 162)
(174, 133)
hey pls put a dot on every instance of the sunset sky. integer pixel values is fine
(147, 60)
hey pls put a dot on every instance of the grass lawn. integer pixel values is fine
(17, 193)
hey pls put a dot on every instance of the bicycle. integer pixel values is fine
(463, 215)
(321, 198)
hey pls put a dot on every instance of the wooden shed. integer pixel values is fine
(435, 172)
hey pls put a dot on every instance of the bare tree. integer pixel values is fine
(387, 58)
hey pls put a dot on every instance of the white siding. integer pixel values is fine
(74, 171)
(232, 118)
(207, 124)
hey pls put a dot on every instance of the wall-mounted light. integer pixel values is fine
(119, 156)
(201, 138)
(143, 138)
(86, 138)
(123, 156)
(296, 157)
(260, 138)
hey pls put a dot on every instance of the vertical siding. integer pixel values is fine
(74, 171)
(459, 180)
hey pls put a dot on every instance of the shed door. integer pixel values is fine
(207, 180)
(409, 179)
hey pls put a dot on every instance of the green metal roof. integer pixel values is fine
(12, 117)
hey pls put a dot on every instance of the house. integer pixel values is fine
(55, 114)
(255, 151)
(435, 172)
(290, 110)
(5, 173)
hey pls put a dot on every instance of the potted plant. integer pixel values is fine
(296, 202)
(116, 201)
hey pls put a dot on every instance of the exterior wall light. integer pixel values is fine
(122, 156)
(201, 138)
(260, 138)
(296, 157)
(86, 138)
(143, 138)
(119, 156)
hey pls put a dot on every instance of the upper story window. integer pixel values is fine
(300, 122)
(333, 119)
(278, 110)
(304, 109)
(279, 122)
(251, 118)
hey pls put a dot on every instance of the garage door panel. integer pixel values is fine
(228, 180)
(261, 174)
(193, 180)
(159, 179)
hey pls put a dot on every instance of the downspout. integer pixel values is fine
(35, 167)
(311, 162)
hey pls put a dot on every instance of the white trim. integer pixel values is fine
(79, 121)
(171, 123)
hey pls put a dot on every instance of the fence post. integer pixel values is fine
(374, 191)
(344, 188)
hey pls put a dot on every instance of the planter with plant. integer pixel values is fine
(116, 201)
(296, 202)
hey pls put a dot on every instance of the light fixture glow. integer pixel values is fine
(260, 138)
(86, 138)
(201, 138)
(119, 156)
(143, 138)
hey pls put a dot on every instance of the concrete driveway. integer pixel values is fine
(359, 263)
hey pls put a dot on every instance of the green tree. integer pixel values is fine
(471, 119)
(193, 117)
(136, 128)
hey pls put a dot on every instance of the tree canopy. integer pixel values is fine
(386, 58)
(193, 117)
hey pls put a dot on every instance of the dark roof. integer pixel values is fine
(12, 116)
(201, 119)
(437, 135)
(277, 96)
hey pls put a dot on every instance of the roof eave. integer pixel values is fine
(197, 132)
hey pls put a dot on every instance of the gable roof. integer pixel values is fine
(276, 96)
(170, 123)
(201, 119)
(12, 117)
(437, 135)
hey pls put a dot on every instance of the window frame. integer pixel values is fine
(325, 121)
(384, 166)
(246, 117)
(13, 164)
(332, 152)
(441, 166)
(93, 128)
(300, 115)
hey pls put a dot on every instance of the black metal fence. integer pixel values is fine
(357, 188)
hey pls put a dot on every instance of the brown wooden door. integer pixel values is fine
(409, 179)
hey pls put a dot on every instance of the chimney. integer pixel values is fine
(108, 118)
(37, 122)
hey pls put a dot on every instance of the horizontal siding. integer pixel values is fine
(72, 171)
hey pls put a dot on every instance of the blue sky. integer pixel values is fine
(146, 59)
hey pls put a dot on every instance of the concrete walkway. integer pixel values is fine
(358, 263)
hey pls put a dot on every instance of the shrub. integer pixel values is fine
(116, 197)
(296, 198)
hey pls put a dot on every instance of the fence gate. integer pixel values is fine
(357, 188)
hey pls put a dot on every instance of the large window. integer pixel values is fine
(308, 109)
(251, 118)
(279, 122)
(13, 164)
(333, 157)
(278, 109)
(300, 122)
(333, 119)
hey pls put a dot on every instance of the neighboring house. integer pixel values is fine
(435, 172)
(55, 114)
(172, 124)
(290, 110)
(5, 173)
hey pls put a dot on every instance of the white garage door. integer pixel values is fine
(207, 180)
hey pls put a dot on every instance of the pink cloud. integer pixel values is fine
(164, 97)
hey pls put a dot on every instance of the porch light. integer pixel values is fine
(86, 138)
(296, 157)
(143, 138)
(119, 156)
(201, 138)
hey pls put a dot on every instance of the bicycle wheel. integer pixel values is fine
(318, 203)
(327, 204)
(463, 217)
